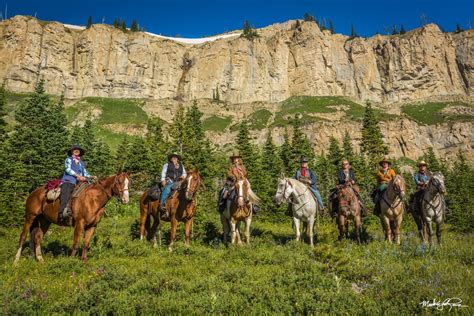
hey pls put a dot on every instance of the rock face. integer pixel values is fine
(285, 60)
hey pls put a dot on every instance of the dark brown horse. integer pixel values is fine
(181, 204)
(87, 210)
(349, 208)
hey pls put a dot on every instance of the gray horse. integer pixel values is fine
(432, 206)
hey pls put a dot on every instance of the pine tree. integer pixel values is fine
(121, 156)
(89, 22)
(402, 29)
(285, 153)
(248, 32)
(331, 27)
(158, 144)
(353, 32)
(347, 150)
(300, 145)
(124, 26)
(334, 155)
(218, 97)
(309, 18)
(459, 29)
(395, 30)
(372, 139)
(134, 26)
(177, 130)
(3, 104)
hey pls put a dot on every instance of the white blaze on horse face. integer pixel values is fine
(125, 196)
(189, 183)
(241, 193)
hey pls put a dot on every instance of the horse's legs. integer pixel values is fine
(430, 231)
(341, 225)
(78, 229)
(233, 225)
(248, 221)
(187, 232)
(237, 231)
(30, 218)
(154, 227)
(358, 227)
(386, 227)
(87, 238)
(143, 219)
(347, 228)
(309, 232)
(398, 224)
(38, 237)
(174, 225)
(438, 231)
(297, 228)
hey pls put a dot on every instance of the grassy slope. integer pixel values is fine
(273, 274)
(430, 113)
(216, 123)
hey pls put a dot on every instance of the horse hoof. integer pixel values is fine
(155, 245)
(40, 259)
(170, 249)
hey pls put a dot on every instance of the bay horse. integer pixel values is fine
(303, 202)
(87, 211)
(392, 208)
(239, 209)
(349, 208)
(182, 205)
(432, 206)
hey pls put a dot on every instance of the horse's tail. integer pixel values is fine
(253, 198)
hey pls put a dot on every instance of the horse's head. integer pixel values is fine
(399, 185)
(192, 182)
(437, 181)
(284, 191)
(120, 187)
(345, 193)
(241, 188)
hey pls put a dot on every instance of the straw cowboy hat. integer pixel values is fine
(421, 163)
(73, 147)
(385, 159)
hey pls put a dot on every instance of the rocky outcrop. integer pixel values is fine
(284, 61)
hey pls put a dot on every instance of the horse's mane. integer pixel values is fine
(296, 183)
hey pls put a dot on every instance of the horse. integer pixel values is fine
(181, 204)
(87, 211)
(304, 204)
(239, 209)
(392, 208)
(432, 206)
(349, 208)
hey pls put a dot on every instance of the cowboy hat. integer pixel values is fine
(73, 147)
(235, 156)
(303, 159)
(421, 163)
(174, 155)
(385, 159)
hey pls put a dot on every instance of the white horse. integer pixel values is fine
(239, 209)
(432, 206)
(304, 204)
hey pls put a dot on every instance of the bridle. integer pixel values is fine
(437, 184)
(188, 189)
(398, 193)
(296, 196)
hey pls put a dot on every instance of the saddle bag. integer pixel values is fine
(154, 193)
(53, 189)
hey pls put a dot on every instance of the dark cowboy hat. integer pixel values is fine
(73, 147)
(303, 159)
(385, 159)
(174, 155)
(235, 156)
(421, 163)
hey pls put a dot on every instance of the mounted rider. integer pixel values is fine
(421, 178)
(308, 177)
(345, 176)
(236, 172)
(384, 176)
(172, 174)
(74, 172)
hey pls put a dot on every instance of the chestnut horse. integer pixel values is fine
(181, 204)
(392, 208)
(349, 208)
(87, 210)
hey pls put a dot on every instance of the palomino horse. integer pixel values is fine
(392, 208)
(432, 206)
(349, 208)
(239, 209)
(304, 204)
(182, 206)
(87, 210)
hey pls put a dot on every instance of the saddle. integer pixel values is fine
(79, 189)
(154, 193)
(53, 190)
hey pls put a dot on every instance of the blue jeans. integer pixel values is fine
(317, 195)
(166, 192)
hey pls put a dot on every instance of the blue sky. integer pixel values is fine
(203, 18)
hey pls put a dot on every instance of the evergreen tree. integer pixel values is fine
(158, 144)
(395, 30)
(89, 22)
(353, 32)
(334, 155)
(372, 139)
(459, 29)
(134, 26)
(271, 170)
(177, 130)
(347, 150)
(300, 145)
(124, 26)
(218, 97)
(103, 164)
(331, 27)
(309, 18)
(285, 153)
(121, 156)
(3, 104)
(433, 162)
(402, 29)
(248, 32)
